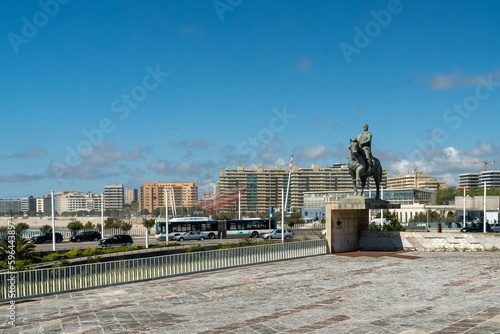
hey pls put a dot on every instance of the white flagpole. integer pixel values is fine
(239, 204)
(53, 222)
(286, 198)
(102, 215)
(282, 215)
(166, 215)
(484, 214)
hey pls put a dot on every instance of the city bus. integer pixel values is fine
(177, 226)
(248, 227)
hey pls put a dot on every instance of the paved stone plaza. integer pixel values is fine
(416, 292)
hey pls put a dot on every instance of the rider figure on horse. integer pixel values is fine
(365, 142)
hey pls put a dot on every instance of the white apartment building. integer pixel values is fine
(72, 201)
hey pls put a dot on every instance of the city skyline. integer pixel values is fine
(126, 93)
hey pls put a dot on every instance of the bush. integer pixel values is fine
(54, 257)
(96, 259)
(91, 251)
(62, 263)
(195, 248)
(73, 253)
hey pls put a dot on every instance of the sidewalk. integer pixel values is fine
(362, 292)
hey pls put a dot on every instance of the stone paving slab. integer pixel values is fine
(362, 292)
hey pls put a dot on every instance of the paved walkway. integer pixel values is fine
(417, 292)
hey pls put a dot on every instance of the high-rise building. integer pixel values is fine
(415, 180)
(476, 180)
(43, 204)
(261, 188)
(28, 204)
(152, 194)
(131, 195)
(113, 197)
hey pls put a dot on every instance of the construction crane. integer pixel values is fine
(475, 162)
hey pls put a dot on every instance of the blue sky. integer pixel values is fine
(95, 93)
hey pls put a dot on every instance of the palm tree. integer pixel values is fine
(22, 248)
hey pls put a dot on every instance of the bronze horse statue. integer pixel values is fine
(358, 169)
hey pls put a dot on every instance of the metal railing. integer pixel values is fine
(23, 284)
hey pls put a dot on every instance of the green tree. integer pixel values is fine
(75, 226)
(21, 227)
(45, 228)
(393, 225)
(148, 223)
(23, 249)
(295, 218)
(111, 222)
(126, 227)
(134, 206)
(89, 226)
(156, 212)
(446, 195)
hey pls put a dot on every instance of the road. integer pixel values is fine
(141, 241)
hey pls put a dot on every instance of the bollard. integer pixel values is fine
(438, 228)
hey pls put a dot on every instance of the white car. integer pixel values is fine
(191, 235)
(276, 234)
(323, 232)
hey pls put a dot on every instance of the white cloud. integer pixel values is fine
(199, 143)
(444, 163)
(457, 80)
(96, 162)
(35, 153)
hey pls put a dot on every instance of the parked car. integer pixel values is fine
(47, 236)
(495, 227)
(117, 240)
(86, 236)
(476, 228)
(6, 237)
(323, 232)
(191, 235)
(276, 234)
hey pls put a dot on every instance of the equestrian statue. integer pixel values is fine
(363, 164)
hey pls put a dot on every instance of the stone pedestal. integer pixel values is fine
(347, 218)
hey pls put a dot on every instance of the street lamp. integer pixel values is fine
(464, 188)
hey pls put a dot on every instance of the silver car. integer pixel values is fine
(276, 234)
(496, 227)
(191, 235)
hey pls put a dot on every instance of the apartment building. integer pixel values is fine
(43, 204)
(152, 194)
(261, 188)
(476, 180)
(131, 195)
(415, 180)
(72, 201)
(8, 205)
(113, 197)
(28, 204)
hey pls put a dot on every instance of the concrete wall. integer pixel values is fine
(428, 241)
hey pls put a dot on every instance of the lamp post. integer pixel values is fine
(484, 208)
(464, 188)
